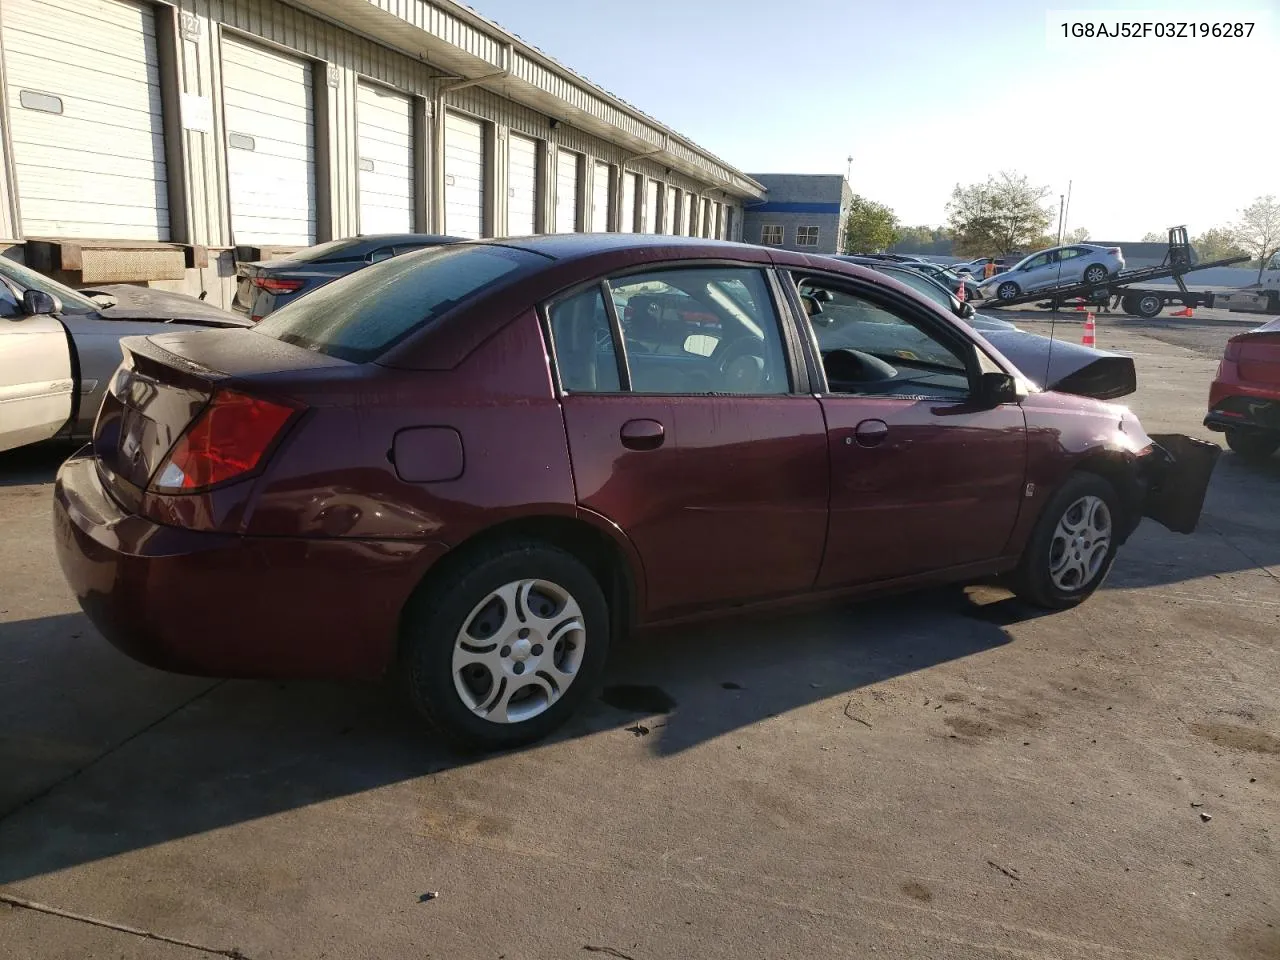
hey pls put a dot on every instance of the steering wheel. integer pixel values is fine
(742, 365)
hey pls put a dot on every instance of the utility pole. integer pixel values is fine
(848, 168)
(1066, 213)
(1060, 212)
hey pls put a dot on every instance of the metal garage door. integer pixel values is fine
(84, 106)
(567, 177)
(627, 216)
(600, 198)
(271, 149)
(384, 139)
(522, 186)
(651, 206)
(686, 213)
(669, 209)
(463, 176)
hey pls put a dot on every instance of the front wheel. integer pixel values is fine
(499, 651)
(1254, 446)
(1095, 273)
(1072, 546)
(1007, 290)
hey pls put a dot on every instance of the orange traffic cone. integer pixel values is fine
(1185, 312)
(1079, 306)
(1089, 340)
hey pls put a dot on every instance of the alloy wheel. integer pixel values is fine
(1080, 544)
(518, 651)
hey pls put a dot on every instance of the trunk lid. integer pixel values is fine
(1258, 354)
(166, 381)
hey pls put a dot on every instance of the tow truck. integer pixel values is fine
(1125, 290)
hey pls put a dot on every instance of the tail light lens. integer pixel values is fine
(277, 284)
(1114, 251)
(228, 439)
(1232, 351)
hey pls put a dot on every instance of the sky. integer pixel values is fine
(924, 94)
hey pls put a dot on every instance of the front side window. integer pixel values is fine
(1039, 261)
(870, 350)
(806, 236)
(771, 234)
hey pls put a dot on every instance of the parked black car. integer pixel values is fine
(267, 285)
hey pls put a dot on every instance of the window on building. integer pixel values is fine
(771, 233)
(806, 236)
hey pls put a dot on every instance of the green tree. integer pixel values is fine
(1153, 236)
(1217, 243)
(935, 241)
(1005, 214)
(1258, 231)
(870, 227)
(1078, 235)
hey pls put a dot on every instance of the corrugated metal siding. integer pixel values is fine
(83, 83)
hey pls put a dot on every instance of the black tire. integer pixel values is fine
(1128, 305)
(442, 607)
(1007, 290)
(1096, 273)
(1254, 446)
(1032, 581)
(1148, 305)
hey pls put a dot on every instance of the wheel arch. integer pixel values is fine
(1119, 470)
(601, 545)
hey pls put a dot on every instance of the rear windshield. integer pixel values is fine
(362, 315)
(332, 250)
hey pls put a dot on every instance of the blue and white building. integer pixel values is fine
(800, 211)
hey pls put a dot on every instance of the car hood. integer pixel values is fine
(1066, 367)
(147, 303)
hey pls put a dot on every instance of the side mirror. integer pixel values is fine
(822, 295)
(997, 388)
(36, 303)
(966, 310)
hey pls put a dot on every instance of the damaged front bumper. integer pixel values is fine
(1175, 474)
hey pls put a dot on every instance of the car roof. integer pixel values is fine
(574, 246)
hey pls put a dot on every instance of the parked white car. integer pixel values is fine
(1079, 262)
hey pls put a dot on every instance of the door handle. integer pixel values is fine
(642, 434)
(871, 433)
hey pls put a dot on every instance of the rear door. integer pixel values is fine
(689, 435)
(37, 392)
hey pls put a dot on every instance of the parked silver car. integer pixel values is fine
(1079, 262)
(59, 347)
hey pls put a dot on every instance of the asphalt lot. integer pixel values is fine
(949, 775)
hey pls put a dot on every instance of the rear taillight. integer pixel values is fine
(1232, 351)
(1114, 251)
(277, 284)
(228, 439)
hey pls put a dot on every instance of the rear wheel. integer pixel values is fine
(1095, 273)
(1073, 545)
(1148, 305)
(1253, 445)
(502, 649)
(1007, 290)
(1128, 304)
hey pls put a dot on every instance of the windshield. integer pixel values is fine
(24, 278)
(360, 316)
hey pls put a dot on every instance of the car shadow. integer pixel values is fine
(213, 754)
(37, 463)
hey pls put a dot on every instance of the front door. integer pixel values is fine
(922, 477)
(37, 391)
(684, 430)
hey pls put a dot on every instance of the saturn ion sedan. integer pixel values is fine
(475, 466)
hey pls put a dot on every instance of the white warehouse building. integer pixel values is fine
(161, 143)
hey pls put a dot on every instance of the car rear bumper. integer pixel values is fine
(219, 604)
(1238, 406)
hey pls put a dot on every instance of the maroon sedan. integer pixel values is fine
(480, 463)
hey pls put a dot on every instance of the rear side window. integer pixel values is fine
(360, 316)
